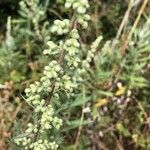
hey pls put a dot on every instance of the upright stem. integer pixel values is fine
(124, 47)
(60, 62)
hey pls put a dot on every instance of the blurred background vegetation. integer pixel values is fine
(112, 109)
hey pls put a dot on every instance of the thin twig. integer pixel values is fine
(144, 112)
(55, 13)
(134, 26)
(123, 23)
(80, 126)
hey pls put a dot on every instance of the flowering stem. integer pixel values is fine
(60, 62)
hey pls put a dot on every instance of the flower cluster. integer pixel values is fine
(38, 145)
(44, 145)
(23, 141)
(60, 27)
(107, 47)
(53, 49)
(72, 47)
(91, 52)
(80, 7)
(61, 75)
(31, 128)
(47, 119)
(67, 84)
(52, 70)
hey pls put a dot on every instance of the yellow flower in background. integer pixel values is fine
(101, 102)
(120, 91)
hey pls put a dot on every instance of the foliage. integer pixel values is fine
(89, 95)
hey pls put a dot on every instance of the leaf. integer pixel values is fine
(138, 81)
(95, 114)
(145, 49)
(122, 129)
(79, 101)
(138, 67)
(101, 102)
(70, 147)
(76, 123)
(144, 59)
(105, 93)
(16, 76)
(135, 138)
